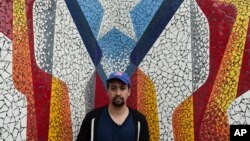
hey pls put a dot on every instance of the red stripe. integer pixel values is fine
(101, 96)
(6, 17)
(244, 80)
(132, 99)
(42, 82)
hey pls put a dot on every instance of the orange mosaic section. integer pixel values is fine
(22, 73)
(60, 127)
(183, 121)
(147, 104)
(215, 123)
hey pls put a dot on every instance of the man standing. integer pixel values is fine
(115, 121)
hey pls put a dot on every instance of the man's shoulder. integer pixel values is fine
(96, 111)
(137, 114)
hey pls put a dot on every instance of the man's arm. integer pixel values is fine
(144, 135)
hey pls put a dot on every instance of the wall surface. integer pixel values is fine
(189, 62)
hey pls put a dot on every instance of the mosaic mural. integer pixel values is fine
(188, 60)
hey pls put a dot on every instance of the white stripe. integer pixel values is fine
(92, 129)
(138, 132)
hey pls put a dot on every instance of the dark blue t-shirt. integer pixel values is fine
(108, 130)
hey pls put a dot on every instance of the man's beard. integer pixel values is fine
(118, 101)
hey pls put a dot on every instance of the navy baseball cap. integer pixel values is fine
(121, 76)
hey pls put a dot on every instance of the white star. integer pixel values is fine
(116, 15)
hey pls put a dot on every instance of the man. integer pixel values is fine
(116, 121)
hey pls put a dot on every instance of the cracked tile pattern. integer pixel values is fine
(13, 105)
(171, 62)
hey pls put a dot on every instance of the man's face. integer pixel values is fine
(118, 92)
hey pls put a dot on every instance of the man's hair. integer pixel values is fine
(118, 80)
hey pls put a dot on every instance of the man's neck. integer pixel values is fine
(118, 114)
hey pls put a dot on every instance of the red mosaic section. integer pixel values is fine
(6, 17)
(221, 17)
(42, 82)
(101, 96)
(244, 80)
(132, 99)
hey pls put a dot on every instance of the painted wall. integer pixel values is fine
(189, 62)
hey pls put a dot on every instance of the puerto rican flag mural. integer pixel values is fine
(188, 60)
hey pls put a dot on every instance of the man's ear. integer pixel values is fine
(129, 91)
